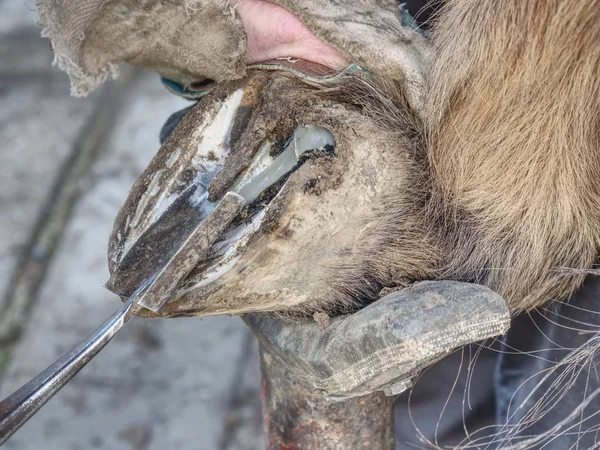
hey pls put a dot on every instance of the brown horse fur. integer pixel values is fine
(513, 127)
(514, 144)
(504, 190)
(513, 124)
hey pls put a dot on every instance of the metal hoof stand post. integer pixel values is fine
(298, 417)
(334, 388)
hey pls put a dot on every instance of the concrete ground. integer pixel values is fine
(65, 168)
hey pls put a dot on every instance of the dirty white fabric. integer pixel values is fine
(183, 40)
(65, 24)
(191, 40)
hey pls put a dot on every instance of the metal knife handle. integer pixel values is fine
(18, 408)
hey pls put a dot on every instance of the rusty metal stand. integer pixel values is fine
(324, 388)
(298, 417)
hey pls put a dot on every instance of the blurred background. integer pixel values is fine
(66, 166)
